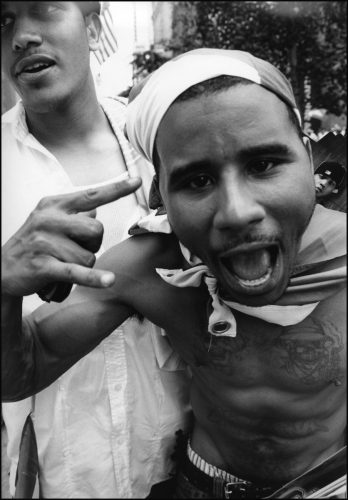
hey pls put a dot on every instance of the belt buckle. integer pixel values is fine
(228, 492)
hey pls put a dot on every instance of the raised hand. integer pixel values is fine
(58, 242)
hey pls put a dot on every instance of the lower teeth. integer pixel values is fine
(257, 282)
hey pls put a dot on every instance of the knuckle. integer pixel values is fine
(91, 194)
(41, 218)
(69, 273)
(90, 260)
(40, 243)
(90, 278)
(45, 202)
(96, 228)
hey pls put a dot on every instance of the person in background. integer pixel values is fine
(106, 428)
(316, 131)
(328, 177)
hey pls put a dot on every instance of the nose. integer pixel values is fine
(25, 34)
(238, 206)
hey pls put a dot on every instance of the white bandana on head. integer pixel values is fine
(151, 98)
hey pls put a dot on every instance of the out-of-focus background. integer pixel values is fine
(305, 40)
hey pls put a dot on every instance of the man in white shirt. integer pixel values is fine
(106, 428)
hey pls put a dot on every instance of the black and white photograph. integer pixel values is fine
(174, 240)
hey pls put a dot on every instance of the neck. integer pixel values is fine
(72, 123)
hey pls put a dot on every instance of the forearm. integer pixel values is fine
(36, 351)
(16, 351)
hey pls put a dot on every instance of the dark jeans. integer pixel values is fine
(165, 489)
(185, 489)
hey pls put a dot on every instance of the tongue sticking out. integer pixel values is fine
(252, 265)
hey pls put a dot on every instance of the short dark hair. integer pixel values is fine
(214, 85)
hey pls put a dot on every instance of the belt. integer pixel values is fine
(217, 487)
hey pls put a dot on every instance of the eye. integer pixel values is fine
(5, 20)
(200, 182)
(260, 166)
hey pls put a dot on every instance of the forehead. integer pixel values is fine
(23, 6)
(322, 174)
(16, 5)
(223, 122)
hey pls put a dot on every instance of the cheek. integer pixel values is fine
(189, 223)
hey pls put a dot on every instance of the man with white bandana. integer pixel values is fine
(237, 264)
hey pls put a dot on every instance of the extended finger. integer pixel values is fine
(73, 273)
(95, 197)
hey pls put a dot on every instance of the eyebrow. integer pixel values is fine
(274, 148)
(190, 168)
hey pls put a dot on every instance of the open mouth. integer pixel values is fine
(37, 67)
(254, 268)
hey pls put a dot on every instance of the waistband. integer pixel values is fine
(209, 469)
(218, 483)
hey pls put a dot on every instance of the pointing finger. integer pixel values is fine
(90, 199)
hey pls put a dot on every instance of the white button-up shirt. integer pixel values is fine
(106, 428)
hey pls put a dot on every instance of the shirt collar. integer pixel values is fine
(21, 132)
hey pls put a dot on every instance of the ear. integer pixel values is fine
(155, 199)
(307, 144)
(93, 27)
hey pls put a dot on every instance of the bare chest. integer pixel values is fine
(308, 355)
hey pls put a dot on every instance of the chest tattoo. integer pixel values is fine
(310, 352)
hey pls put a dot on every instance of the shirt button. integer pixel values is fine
(62, 387)
(120, 441)
(118, 387)
(157, 375)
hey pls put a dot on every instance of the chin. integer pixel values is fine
(45, 102)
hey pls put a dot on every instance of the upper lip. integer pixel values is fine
(28, 61)
(247, 248)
